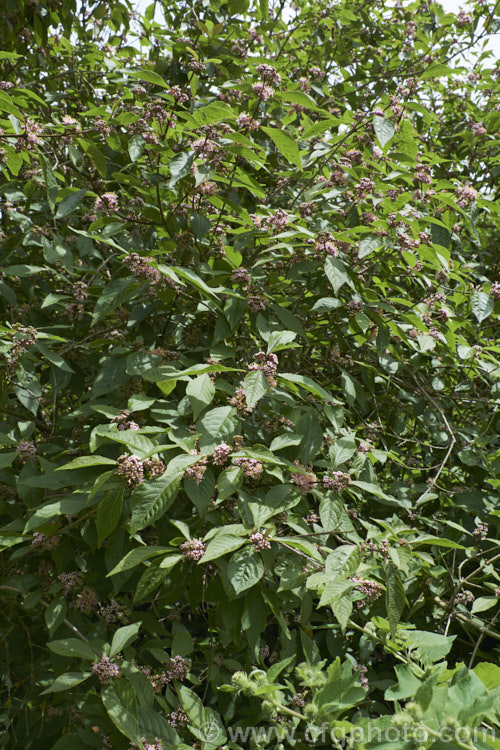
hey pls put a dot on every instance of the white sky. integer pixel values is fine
(450, 6)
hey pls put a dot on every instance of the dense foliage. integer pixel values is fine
(250, 375)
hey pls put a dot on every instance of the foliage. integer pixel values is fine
(250, 375)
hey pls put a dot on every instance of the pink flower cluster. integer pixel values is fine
(256, 302)
(463, 18)
(197, 471)
(247, 122)
(153, 468)
(179, 95)
(268, 363)
(495, 289)
(260, 541)
(106, 202)
(131, 469)
(26, 449)
(178, 718)
(466, 195)
(122, 420)
(142, 269)
(240, 276)
(105, 669)
(156, 745)
(251, 468)
(370, 589)
(192, 549)
(86, 601)
(305, 480)
(325, 245)
(221, 453)
(239, 401)
(70, 581)
(262, 91)
(269, 74)
(337, 481)
(277, 221)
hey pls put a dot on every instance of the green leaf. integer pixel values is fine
(330, 511)
(394, 597)
(6, 459)
(123, 637)
(216, 425)
(342, 450)
(7, 105)
(180, 166)
(170, 561)
(343, 562)
(482, 305)
(108, 514)
(220, 545)
(152, 499)
(67, 681)
(285, 144)
(298, 97)
(384, 129)
(482, 603)
(136, 146)
(337, 594)
(279, 340)
(72, 647)
(368, 245)
(336, 273)
(309, 385)
(112, 296)
(53, 357)
(201, 392)
(229, 482)
(55, 614)
(84, 462)
(488, 673)
(124, 719)
(255, 386)
(245, 569)
(69, 203)
(407, 685)
(51, 186)
(192, 705)
(135, 557)
(149, 76)
(428, 647)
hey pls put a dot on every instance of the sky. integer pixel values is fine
(450, 6)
